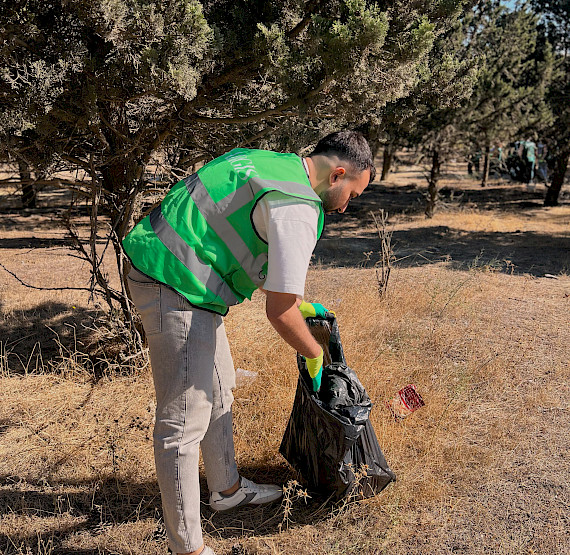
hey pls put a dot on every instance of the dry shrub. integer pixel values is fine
(99, 345)
(91, 434)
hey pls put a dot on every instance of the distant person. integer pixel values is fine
(541, 164)
(246, 220)
(513, 161)
(529, 161)
(496, 159)
(500, 156)
(518, 165)
(474, 162)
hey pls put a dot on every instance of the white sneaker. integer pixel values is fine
(247, 494)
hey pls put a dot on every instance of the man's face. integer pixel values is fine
(343, 188)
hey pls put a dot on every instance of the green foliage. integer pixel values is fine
(157, 48)
(554, 42)
(555, 17)
(109, 86)
(114, 82)
(509, 97)
(443, 82)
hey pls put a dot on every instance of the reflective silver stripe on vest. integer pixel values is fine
(215, 213)
(217, 220)
(186, 255)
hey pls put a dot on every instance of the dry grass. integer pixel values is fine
(482, 468)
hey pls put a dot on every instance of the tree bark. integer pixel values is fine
(431, 199)
(28, 190)
(387, 160)
(372, 134)
(486, 165)
(558, 175)
(123, 178)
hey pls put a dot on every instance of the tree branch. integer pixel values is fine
(77, 162)
(113, 129)
(88, 289)
(302, 25)
(266, 113)
(67, 183)
(239, 67)
(247, 119)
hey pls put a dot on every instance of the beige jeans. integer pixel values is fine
(193, 377)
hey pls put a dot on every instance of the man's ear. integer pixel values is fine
(338, 173)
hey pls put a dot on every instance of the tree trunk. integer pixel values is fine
(431, 199)
(387, 160)
(28, 190)
(124, 179)
(560, 167)
(372, 134)
(486, 164)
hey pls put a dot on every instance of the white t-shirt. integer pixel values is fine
(289, 226)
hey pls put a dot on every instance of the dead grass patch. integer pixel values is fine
(78, 468)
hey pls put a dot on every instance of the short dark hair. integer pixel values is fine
(350, 146)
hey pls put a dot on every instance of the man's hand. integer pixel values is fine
(309, 310)
(315, 368)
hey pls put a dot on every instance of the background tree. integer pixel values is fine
(426, 118)
(554, 30)
(437, 133)
(387, 121)
(107, 88)
(508, 98)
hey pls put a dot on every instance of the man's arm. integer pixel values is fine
(285, 317)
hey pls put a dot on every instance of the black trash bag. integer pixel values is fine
(329, 439)
(343, 395)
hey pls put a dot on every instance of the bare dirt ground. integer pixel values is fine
(502, 222)
(477, 316)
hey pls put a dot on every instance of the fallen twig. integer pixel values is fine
(44, 288)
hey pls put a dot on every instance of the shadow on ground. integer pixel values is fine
(95, 506)
(38, 340)
(344, 244)
(409, 199)
(49, 198)
(52, 206)
(527, 252)
(103, 503)
(34, 243)
(345, 239)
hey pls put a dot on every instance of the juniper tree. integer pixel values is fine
(387, 120)
(108, 87)
(427, 116)
(553, 30)
(437, 131)
(508, 98)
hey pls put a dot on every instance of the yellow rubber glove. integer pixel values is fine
(315, 368)
(309, 310)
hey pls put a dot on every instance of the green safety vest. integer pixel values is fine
(530, 150)
(201, 240)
